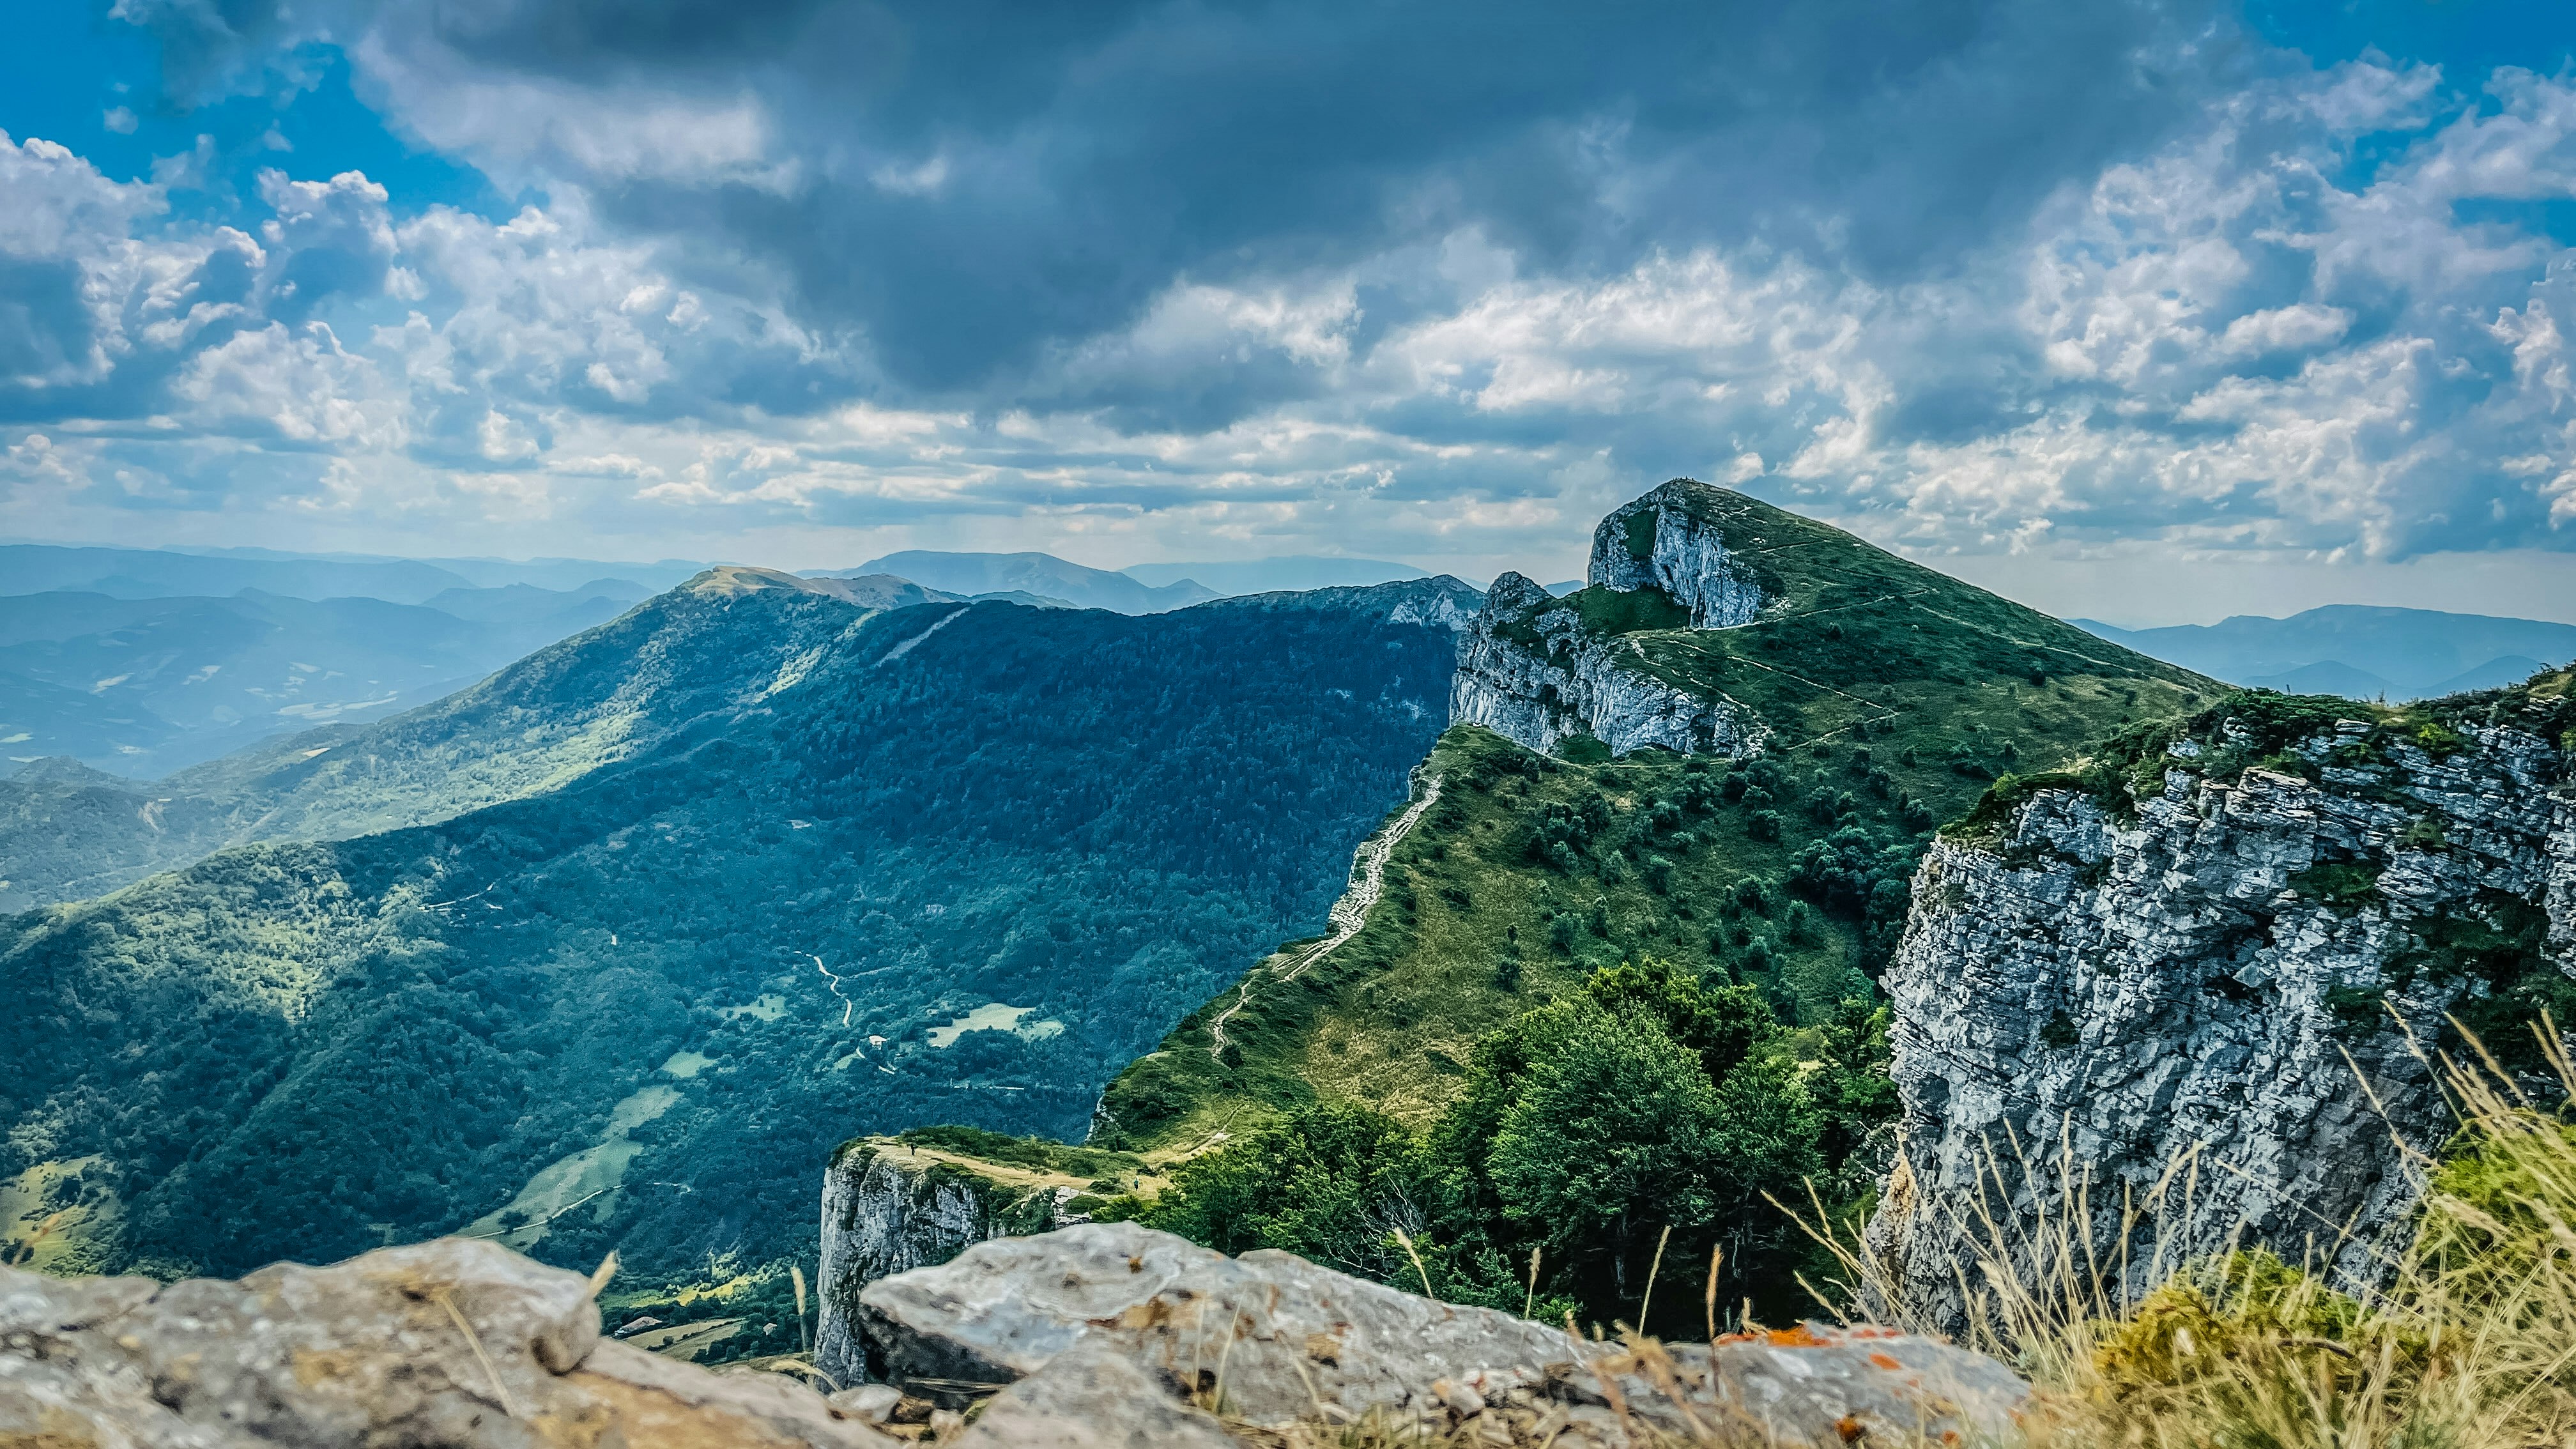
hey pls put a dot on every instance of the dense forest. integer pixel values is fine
(949, 863)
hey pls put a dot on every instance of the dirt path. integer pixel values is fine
(1368, 882)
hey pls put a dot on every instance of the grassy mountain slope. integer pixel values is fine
(802, 872)
(1894, 695)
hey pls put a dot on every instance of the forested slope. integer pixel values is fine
(955, 862)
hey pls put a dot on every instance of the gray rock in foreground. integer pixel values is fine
(1115, 1334)
(448, 1343)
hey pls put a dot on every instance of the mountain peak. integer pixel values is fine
(734, 580)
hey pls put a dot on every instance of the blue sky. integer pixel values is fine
(2145, 311)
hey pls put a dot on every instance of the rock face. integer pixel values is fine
(448, 1343)
(2121, 995)
(1530, 670)
(1113, 1333)
(885, 1213)
(1670, 540)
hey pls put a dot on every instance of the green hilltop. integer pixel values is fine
(1892, 696)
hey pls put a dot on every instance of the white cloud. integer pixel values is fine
(2247, 339)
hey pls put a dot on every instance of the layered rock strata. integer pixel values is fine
(1529, 670)
(2215, 1012)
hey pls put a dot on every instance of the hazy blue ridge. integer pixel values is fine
(1040, 574)
(144, 686)
(175, 571)
(2360, 651)
(1271, 575)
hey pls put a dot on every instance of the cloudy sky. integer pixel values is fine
(2146, 311)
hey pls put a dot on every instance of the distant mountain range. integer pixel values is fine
(144, 684)
(1042, 578)
(2359, 651)
(158, 573)
(1273, 575)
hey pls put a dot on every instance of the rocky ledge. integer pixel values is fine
(1099, 1334)
(1110, 1333)
(449, 1343)
(889, 1208)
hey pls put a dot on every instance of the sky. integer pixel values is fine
(2150, 312)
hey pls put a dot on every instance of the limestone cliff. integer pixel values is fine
(890, 1207)
(1542, 670)
(1673, 539)
(2183, 952)
(1532, 670)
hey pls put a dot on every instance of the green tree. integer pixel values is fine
(1331, 1182)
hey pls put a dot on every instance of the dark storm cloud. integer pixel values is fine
(973, 181)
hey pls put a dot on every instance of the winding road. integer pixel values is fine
(1368, 882)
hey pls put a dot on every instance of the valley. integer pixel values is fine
(639, 846)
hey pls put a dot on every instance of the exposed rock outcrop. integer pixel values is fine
(448, 1343)
(1671, 539)
(887, 1209)
(2179, 960)
(1530, 670)
(1113, 1333)
(1540, 670)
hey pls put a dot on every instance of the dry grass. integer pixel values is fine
(2466, 1340)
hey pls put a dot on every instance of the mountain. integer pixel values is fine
(1041, 574)
(1272, 575)
(1615, 964)
(761, 868)
(179, 680)
(527, 604)
(2359, 651)
(139, 573)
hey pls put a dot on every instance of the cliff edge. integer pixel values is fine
(2198, 977)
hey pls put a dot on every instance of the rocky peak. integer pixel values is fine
(1532, 668)
(1672, 539)
(2227, 949)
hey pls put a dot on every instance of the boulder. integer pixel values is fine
(448, 1343)
(1111, 1333)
